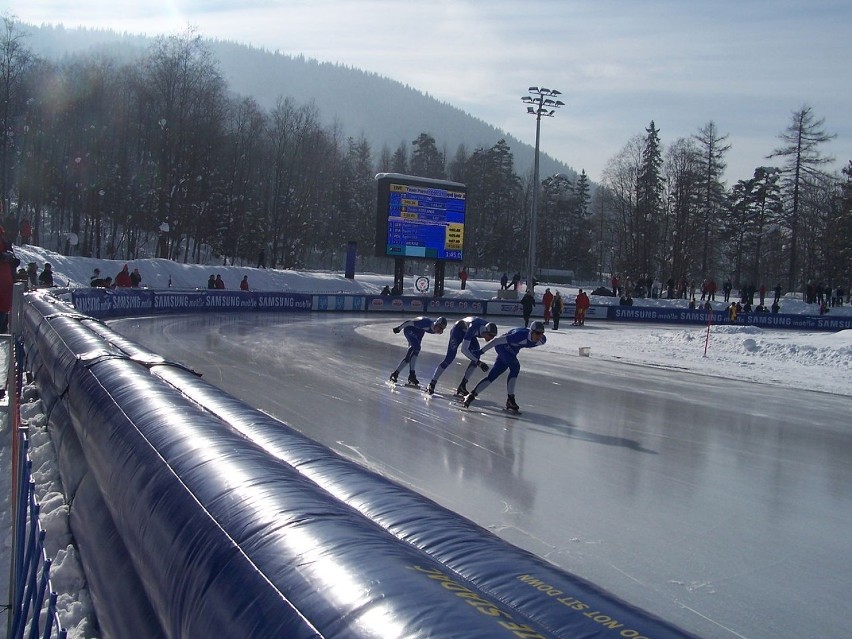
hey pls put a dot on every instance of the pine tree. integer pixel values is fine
(712, 160)
(801, 151)
(649, 203)
(426, 160)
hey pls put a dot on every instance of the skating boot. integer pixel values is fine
(469, 399)
(393, 376)
(431, 387)
(462, 391)
(412, 380)
(511, 404)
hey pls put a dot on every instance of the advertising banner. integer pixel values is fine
(102, 302)
(396, 304)
(283, 301)
(338, 303)
(106, 303)
(444, 306)
(665, 315)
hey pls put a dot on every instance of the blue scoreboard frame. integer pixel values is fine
(420, 217)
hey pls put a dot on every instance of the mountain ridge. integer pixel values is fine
(384, 111)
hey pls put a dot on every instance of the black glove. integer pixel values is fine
(483, 367)
(397, 329)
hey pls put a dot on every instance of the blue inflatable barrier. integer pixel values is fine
(230, 524)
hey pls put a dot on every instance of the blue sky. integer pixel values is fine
(747, 65)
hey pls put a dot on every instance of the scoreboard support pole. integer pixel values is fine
(398, 274)
(439, 278)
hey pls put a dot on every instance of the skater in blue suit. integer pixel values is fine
(414, 330)
(465, 333)
(507, 346)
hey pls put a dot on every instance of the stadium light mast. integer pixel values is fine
(540, 102)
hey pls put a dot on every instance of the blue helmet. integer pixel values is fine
(537, 326)
(441, 322)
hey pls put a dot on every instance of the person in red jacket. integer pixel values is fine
(581, 304)
(463, 277)
(122, 280)
(7, 279)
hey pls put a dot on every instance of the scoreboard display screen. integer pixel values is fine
(420, 217)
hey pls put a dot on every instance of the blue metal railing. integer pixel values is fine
(32, 600)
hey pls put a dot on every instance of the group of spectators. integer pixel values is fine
(216, 282)
(124, 279)
(33, 279)
(825, 295)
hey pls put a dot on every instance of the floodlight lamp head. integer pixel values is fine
(555, 92)
(530, 110)
(533, 89)
(560, 103)
(543, 90)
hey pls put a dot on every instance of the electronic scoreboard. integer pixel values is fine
(420, 218)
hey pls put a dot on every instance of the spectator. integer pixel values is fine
(220, 284)
(726, 289)
(504, 282)
(102, 282)
(527, 303)
(45, 278)
(463, 277)
(135, 278)
(711, 290)
(32, 274)
(244, 285)
(26, 231)
(581, 305)
(96, 275)
(261, 259)
(122, 280)
(558, 308)
(8, 264)
(547, 303)
(211, 281)
(385, 290)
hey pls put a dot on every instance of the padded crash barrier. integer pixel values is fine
(197, 515)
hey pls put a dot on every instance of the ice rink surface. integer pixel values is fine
(722, 506)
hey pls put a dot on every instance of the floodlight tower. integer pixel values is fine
(540, 102)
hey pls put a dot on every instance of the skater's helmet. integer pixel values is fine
(536, 326)
(441, 323)
(489, 331)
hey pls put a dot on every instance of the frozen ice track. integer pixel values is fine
(236, 525)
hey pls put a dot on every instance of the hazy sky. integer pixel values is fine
(747, 65)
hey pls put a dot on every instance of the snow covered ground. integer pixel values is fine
(818, 361)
